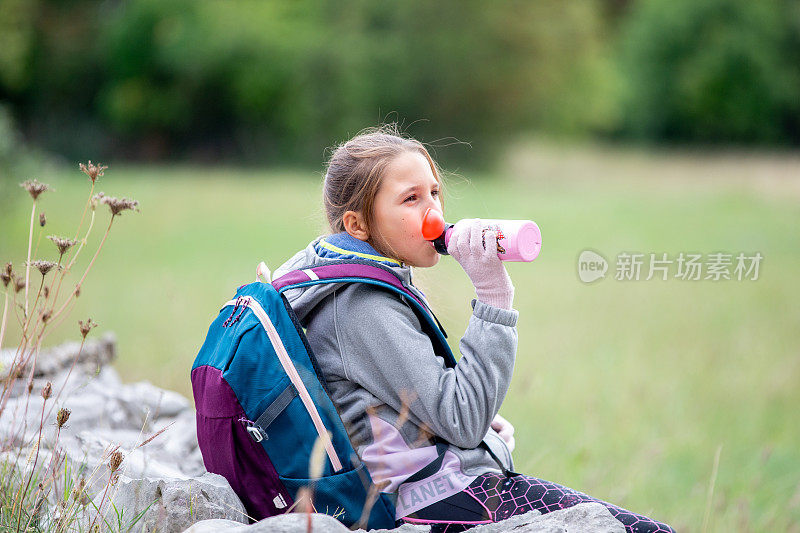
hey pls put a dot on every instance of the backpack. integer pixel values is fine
(262, 403)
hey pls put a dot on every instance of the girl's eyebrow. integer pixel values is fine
(408, 190)
(412, 189)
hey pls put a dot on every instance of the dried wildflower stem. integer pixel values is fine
(29, 317)
(26, 326)
(710, 493)
(86, 272)
(63, 273)
(82, 241)
(369, 503)
(56, 323)
(102, 501)
(33, 309)
(39, 490)
(16, 307)
(64, 383)
(53, 462)
(3, 323)
(18, 360)
(27, 263)
(38, 242)
(85, 208)
(20, 497)
(65, 270)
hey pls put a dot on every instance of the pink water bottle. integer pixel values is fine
(517, 240)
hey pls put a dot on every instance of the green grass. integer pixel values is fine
(623, 390)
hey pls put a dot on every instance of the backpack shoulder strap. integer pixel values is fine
(355, 271)
(370, 273)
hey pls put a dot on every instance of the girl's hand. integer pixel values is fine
(475, 249)
(506, 430)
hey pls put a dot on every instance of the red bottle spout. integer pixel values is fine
(432, 224)
(436, 230)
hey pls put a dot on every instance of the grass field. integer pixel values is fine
(625, 390)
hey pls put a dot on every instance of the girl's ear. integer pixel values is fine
(355, 225)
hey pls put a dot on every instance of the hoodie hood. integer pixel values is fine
(337, 247)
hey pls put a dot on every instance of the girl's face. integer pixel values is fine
(407, 190)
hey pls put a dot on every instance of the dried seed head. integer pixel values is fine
(77, 490)
(77, 291)
(115, 461)
(47, 390)
(43, 266)
(93, 171)
(61, 243)
(46, 314)
(96, 199)
(118, 205)
(39, 503)
(30, 384)
(46, 292)
(34, 188)
(42, 219)
(19, 284)
(18, 371)
(7, 274)
(86, 327)
(62, 416)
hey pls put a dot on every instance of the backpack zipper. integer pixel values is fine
(294, 376)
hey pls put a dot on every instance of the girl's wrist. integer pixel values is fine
(502, 299)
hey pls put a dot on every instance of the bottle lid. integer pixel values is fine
(432, 224)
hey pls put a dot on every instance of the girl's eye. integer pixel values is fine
(413, 197)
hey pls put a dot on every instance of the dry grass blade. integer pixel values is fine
(710, 494)
(154, 435)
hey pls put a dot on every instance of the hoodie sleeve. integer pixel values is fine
(384, 350)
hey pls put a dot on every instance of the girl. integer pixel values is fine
(395, 396)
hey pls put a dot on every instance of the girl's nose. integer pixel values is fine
(432, 202)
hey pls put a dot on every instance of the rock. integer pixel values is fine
(405, 528)
(94, 355)
(215, 524)
(285, 523)
(162, 476)
(581, 518)
(170, 505)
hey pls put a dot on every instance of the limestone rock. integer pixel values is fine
(286, 523)
(170, 505)
(581, 518)
(162, 477)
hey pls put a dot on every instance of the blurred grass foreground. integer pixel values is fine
(626, 390)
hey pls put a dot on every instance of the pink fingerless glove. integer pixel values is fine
(480, 262)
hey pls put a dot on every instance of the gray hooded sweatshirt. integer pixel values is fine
(391, 390)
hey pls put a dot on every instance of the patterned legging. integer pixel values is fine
(493, 497)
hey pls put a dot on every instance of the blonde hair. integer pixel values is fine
(355, 172)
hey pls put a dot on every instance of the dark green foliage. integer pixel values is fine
(716, 70)
(267, 79)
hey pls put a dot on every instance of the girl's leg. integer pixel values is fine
(493, 497)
